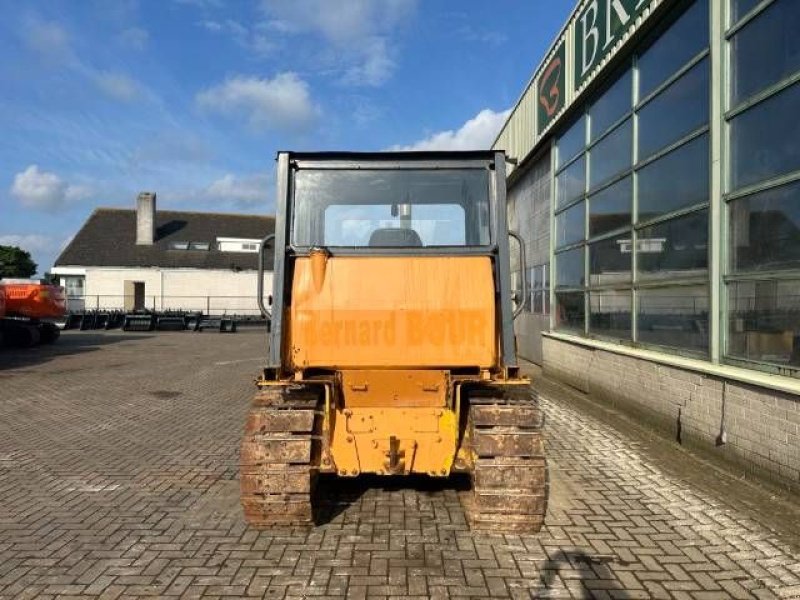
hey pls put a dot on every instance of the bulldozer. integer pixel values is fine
(391, 342)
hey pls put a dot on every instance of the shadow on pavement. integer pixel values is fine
(67, 344)
(596, 576)
(337, 494)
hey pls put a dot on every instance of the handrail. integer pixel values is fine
(260, 297)
(523, 272)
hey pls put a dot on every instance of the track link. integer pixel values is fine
(510, 484)
(279, 456)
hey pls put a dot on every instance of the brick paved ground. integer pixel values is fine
(118, 479)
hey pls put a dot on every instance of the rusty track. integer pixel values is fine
(279, 457)
(509, 480)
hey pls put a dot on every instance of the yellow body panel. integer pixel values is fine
(395, 388)
(362, 312)
(425, 441)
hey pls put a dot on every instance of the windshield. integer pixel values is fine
(406, 208)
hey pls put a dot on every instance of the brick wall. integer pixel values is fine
(762, 425)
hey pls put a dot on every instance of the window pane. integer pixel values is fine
(662, 190)
(683, 40)
(740, 8)
(536, 277)
(572, 182)
(611, 208)
(611, 156)
(764, 141)
(765, 230)
(569, 268)
(765, 321)
(570, 311)
(611, 106)
(610, 313)
(391, 208)
(572, 142)
(766, 50)
(610, 260)
(674, 248)
(675, 317)
(537, 302)
(675, 112)
(570, 225)
(546, 307)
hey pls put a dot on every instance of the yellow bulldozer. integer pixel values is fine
(391, 343)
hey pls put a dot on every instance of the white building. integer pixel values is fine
(160, 260)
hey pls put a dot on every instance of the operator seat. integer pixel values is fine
(395, 237)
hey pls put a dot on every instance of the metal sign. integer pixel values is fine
(551, 87)
(598, 27)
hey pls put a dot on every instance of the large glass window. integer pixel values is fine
(674, 181)
(570, 311)
(740, 8)
(570, 268)
(391, 208)
(683, 40)
(763, 270)
(610, 261)
(765, 321)
(765, 230)
(610, 313)
(766, 50)
(571, 141)
(570, 225)
(571, 182)
(540, 290)
(611, 105)
(610, 208)
(612, 155)
(764, 139)
(675, 112)
(675, 317)
(666, 183)
(677, 247)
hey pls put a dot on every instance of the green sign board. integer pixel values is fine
(598, 27)
(551, 87)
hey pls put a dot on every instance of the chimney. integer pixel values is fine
(145, 219)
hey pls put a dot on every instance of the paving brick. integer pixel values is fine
(118, 479)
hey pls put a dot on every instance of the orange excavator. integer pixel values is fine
(28, 311)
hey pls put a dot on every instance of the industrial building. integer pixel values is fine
(655, 178)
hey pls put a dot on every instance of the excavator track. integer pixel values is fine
(279, 456)
(510, 483)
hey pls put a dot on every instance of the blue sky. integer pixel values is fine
(191, 99)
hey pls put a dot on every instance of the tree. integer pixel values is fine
(16, 262)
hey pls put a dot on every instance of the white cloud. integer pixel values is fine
(135, 38)
(119, 86)
(32, 242)
(342, 21)
(376, 66)
(38, 189)
(283, 102)
(359, 31)
(253, 39)
(244, 192)
(48, 39)
(478, 133)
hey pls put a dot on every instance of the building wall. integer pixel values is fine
(675, 204)
(529, 196)
(762, 425)
(187, 289)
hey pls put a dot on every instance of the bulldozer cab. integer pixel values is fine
(386, 260)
